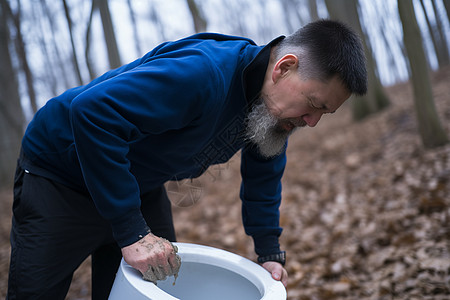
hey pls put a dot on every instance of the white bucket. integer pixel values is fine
(206, 273)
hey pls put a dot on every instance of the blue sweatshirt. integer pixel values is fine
(170, 114)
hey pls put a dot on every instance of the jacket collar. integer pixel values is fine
(255, 72)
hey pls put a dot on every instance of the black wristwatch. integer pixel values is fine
(278, 257)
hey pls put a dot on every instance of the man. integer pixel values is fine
(94, 159)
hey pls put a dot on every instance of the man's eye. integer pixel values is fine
(312, 105)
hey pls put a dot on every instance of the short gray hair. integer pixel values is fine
(327, 48)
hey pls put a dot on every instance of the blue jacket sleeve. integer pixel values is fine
(261, 198)
(159, 95)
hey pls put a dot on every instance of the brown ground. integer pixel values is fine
(366, 209)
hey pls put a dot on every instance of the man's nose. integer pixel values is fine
(313, 118)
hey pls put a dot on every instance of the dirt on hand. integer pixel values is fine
(155, 273)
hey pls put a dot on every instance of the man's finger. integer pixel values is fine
(175, 263)
(149, 275)
(276, 275)
(284, 278)
(277, 271)
(161, 273)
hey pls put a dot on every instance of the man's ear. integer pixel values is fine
(283, 66)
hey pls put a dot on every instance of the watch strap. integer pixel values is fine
(278, 257)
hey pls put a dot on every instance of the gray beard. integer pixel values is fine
(263, 130)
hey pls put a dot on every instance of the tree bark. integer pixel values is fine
(22, 54)
(312, 4)
(87, 52)
(74, 51)
(442, 44)
(430, 128)
(11, 114)
(432, 35)
(110, 36)
(291, 12)
(38, 19)
(137, 43)
(447, 7)
(438, 39)
(60, 63)
(197, 16)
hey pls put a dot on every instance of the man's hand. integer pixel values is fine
(153, 256)
(277, 271)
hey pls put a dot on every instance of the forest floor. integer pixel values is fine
(365, 212)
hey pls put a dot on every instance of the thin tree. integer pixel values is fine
(384, 25)
(291, 12)
(376, 99)
(437, 37)
(235, 11)
(441, 36)
(74, 51)
(447, 7)
(109, 33)
(197, 16)
(11, 114)
(87, 52)
(158, 23)
(22, 53)
(430, 129)
(264, 28)
(50, 70)
(60, 64)
(313, 12)
(431, 31)
(137, 43)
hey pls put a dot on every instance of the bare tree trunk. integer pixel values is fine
(87, 53)
(443, 48)
(235, 13)
(430, 128)
(59, 62)
(286, 15)
(22, 54)
(432, 35)
(447, 7)
(376, 99)
(197, 16)
(362, 105)
(264, 29)
(383, 26)
(11, 114)
(137, 43)
(157, 21)
(313, 10)
(74, 51)
(38, 18)
(110, 36)
(290, 8)
(439, 43)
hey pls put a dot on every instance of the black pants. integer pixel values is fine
(54, 229)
